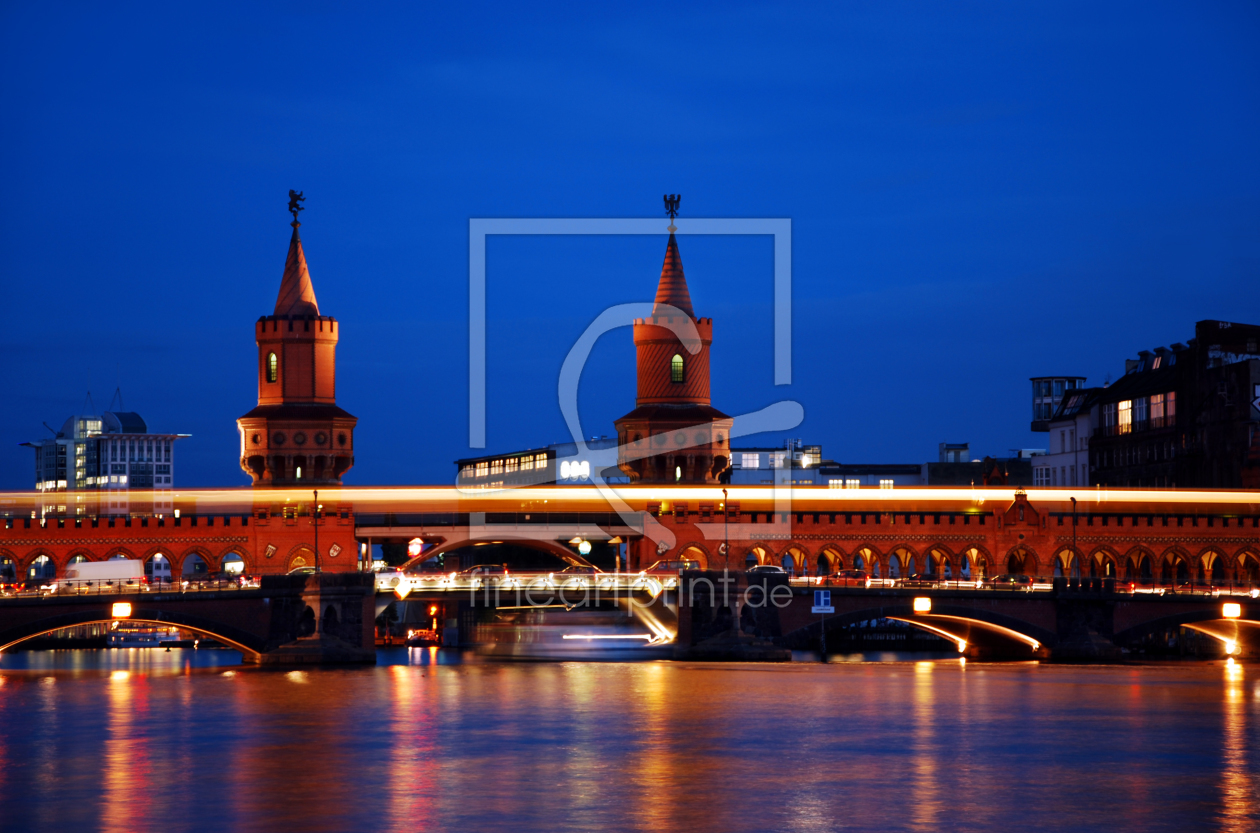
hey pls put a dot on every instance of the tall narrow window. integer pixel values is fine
(273, 367)
(676, 369)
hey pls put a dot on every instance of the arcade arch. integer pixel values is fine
(1102, 564)
(937, 563)
(42, 567)
(157, 568)
(194, 565)
(794, 560)
(829, 561)
(695, 553)
(1066, 564)
(1021, 561)
(972, 564)
(901, 563)
(755, 556)
(896, 565)
(1248, 568)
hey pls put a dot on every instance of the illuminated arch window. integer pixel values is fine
(676, 372)
(273, 367)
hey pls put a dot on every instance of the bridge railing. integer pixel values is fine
(119, 587)
(1225, 587)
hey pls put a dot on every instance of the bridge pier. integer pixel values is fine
(335, 624)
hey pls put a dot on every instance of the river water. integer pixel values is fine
(145, 740)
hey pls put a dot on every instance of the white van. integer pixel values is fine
(114, 575)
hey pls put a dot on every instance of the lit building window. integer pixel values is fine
(885, 484)
(496, 467)
(1170, 408)
(777, 458)
(511, 464)
(273, 367)
(527, 462)
(676, 368)
(749, 461)
(852, 483)
(483, 469)
(1124, 421)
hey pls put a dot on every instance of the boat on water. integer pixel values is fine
(571, 635)
(143, 636)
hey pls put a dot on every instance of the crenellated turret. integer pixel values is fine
(297, 435)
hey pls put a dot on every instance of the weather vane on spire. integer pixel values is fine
(295, 197)
(671, 208)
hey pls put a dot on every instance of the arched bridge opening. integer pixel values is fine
(973, 632)
(1234, 625)
(250, 646)
(520, 555)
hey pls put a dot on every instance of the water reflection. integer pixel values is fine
(1237, 791)
(926, 807)
(432, 742)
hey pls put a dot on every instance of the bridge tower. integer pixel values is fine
(673, 435)
(297, 436)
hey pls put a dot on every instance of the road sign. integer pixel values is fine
(822, 602)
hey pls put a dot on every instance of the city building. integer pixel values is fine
(757, 465)
(1048, 392)
(1070, 429)
(111, 453)
(1183, 417)
(558, 463)
(297, 436)
(954, 467)
(674, 434)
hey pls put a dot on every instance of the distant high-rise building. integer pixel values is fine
(112, 453)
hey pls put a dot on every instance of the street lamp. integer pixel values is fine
(726, 532)
(315, 523)
(1074, 553)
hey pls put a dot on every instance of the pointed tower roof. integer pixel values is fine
(672, 289)
(297, 296)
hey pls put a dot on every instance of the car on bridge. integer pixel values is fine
(222, 578)
(36, 587)
(671, 567)
(1009, 582)
(766, 569)
(581, 570)
(483, 571)
(919, 580)
(846, 578)
(387, 580)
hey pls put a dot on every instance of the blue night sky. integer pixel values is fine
(979, 192)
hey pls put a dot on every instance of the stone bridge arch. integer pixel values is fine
(1242, 632)
(983, 631)
(250, 646)
(550, 547)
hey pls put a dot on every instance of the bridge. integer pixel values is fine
(1090, 545)
(1060, 619)
(286, 619)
